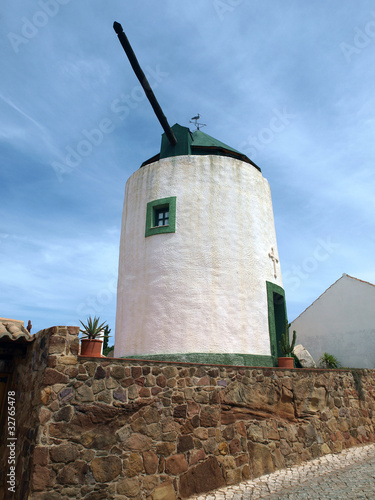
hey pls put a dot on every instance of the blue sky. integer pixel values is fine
(290, 84)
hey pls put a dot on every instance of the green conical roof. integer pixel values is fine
(200, 139)
(195, 143)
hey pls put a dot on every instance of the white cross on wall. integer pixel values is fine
(275, 261)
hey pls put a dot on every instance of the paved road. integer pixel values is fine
(349, 475)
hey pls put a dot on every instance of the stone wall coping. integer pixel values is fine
(186, 363)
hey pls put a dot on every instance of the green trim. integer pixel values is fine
(183, 146)
(196, 143)
(228, 359)
(151, 206)
(276, 317)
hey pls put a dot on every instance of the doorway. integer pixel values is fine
(277, 317)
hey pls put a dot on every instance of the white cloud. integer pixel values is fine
(62, 239)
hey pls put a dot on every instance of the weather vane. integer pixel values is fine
(196, 123)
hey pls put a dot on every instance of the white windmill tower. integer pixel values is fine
(199, 279)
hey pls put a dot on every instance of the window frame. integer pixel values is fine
(160, 216)
(154, 205)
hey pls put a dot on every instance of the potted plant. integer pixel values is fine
(288, 360)
(91, 345)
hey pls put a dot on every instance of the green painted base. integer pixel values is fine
(228, 359)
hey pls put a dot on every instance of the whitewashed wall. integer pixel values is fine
(341, 322)
(201, 289)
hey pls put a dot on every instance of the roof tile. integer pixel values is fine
(15, 332)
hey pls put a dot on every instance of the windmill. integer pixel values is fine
(195, 279)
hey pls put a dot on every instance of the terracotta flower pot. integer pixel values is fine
(91, 348)
(285, 362)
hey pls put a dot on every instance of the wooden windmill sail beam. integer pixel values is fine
(144, 82)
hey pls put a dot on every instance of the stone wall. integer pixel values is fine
(117, 428)
(29, 362)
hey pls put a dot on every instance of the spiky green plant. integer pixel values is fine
(93, 330)
(329, 361)
(284, 344)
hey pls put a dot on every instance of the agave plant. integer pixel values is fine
(329, 361)
(93, 330)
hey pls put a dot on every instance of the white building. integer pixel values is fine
(341, 322)
(199, 275)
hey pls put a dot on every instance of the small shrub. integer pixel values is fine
(329, 361)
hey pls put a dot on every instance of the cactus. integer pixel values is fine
(284, 342)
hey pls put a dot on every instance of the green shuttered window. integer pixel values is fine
(161, 216)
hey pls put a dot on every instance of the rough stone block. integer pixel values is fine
(170, 371)
(100, 373)
(127, 382)
(134, 465)
(118, 372)
(106, 469)
(64, 453)
(84, 394)
(133, 392)
(161, 381)
(154, 431)
(233, 476)
(144, 392)
(197, 456)
(235, 447)
(41, 455)
(156, 390)
(52, 376)
(166, 448)
(57, 345)
(128, 487)
(305, 358)
(52, 361)
(242, 460)
(72, 371)
(210, 416)
(163, 492)
(44, 415)
(193, 408)
(68, 360)
(136, 371)
(150, 462)
(180, 411)
(176, 464)
(151, 415)
(260, 459)
(150, 483)
(138, 442)
(201, 433)
(42, 478)
(185, 443)
(204, 477)
(139, 425)
(64, 414)
(98, 386)
(120, 395)
(204, 381)
(72, 473)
